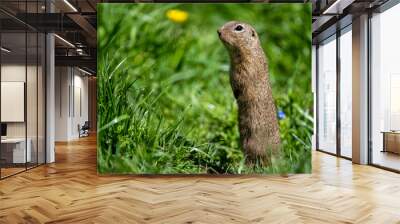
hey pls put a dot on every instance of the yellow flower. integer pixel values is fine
(177, 16)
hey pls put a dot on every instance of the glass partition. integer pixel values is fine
(32, 95)
(346, 92)
(385, 89)
(14, 153)
(327, 95)
(41, 91)
(23, 91)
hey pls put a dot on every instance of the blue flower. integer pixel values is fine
(281, 115)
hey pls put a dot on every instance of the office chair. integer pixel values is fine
(84, 130)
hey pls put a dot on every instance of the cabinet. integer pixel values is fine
(391, 142)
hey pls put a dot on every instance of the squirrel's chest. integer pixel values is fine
(246, 81)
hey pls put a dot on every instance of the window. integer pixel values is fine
(326, 108)
(346, 92)
(385, 88)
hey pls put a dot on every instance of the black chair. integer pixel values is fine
(84, 130)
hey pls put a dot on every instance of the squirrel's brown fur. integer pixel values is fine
(249, 77)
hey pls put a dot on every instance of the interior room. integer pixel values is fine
(385, 89)
(22, 99)
(48, 150)
(338, 86)
(30, 105)
(71, 100)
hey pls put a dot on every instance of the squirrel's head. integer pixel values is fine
(238, 36)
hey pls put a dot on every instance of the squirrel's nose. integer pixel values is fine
(219, 33)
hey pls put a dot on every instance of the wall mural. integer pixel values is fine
(204, 88)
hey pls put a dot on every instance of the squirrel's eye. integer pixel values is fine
(239, 28)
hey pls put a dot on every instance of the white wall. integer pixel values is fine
(12, 73)
(70, 83)
(79, 117)
(13, 101)
(62, 81)
(33, 126)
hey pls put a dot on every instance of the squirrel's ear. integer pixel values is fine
(253, 33)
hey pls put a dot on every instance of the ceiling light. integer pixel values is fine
(338, 6)
(5, 50)
(80, 51)
(65, 41)
(84, 71)
(70, 5)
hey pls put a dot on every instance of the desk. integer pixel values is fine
(391, 141)
(15, 148)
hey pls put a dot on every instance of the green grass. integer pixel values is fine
(165, 104)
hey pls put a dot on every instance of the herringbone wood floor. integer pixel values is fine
(70, 191)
